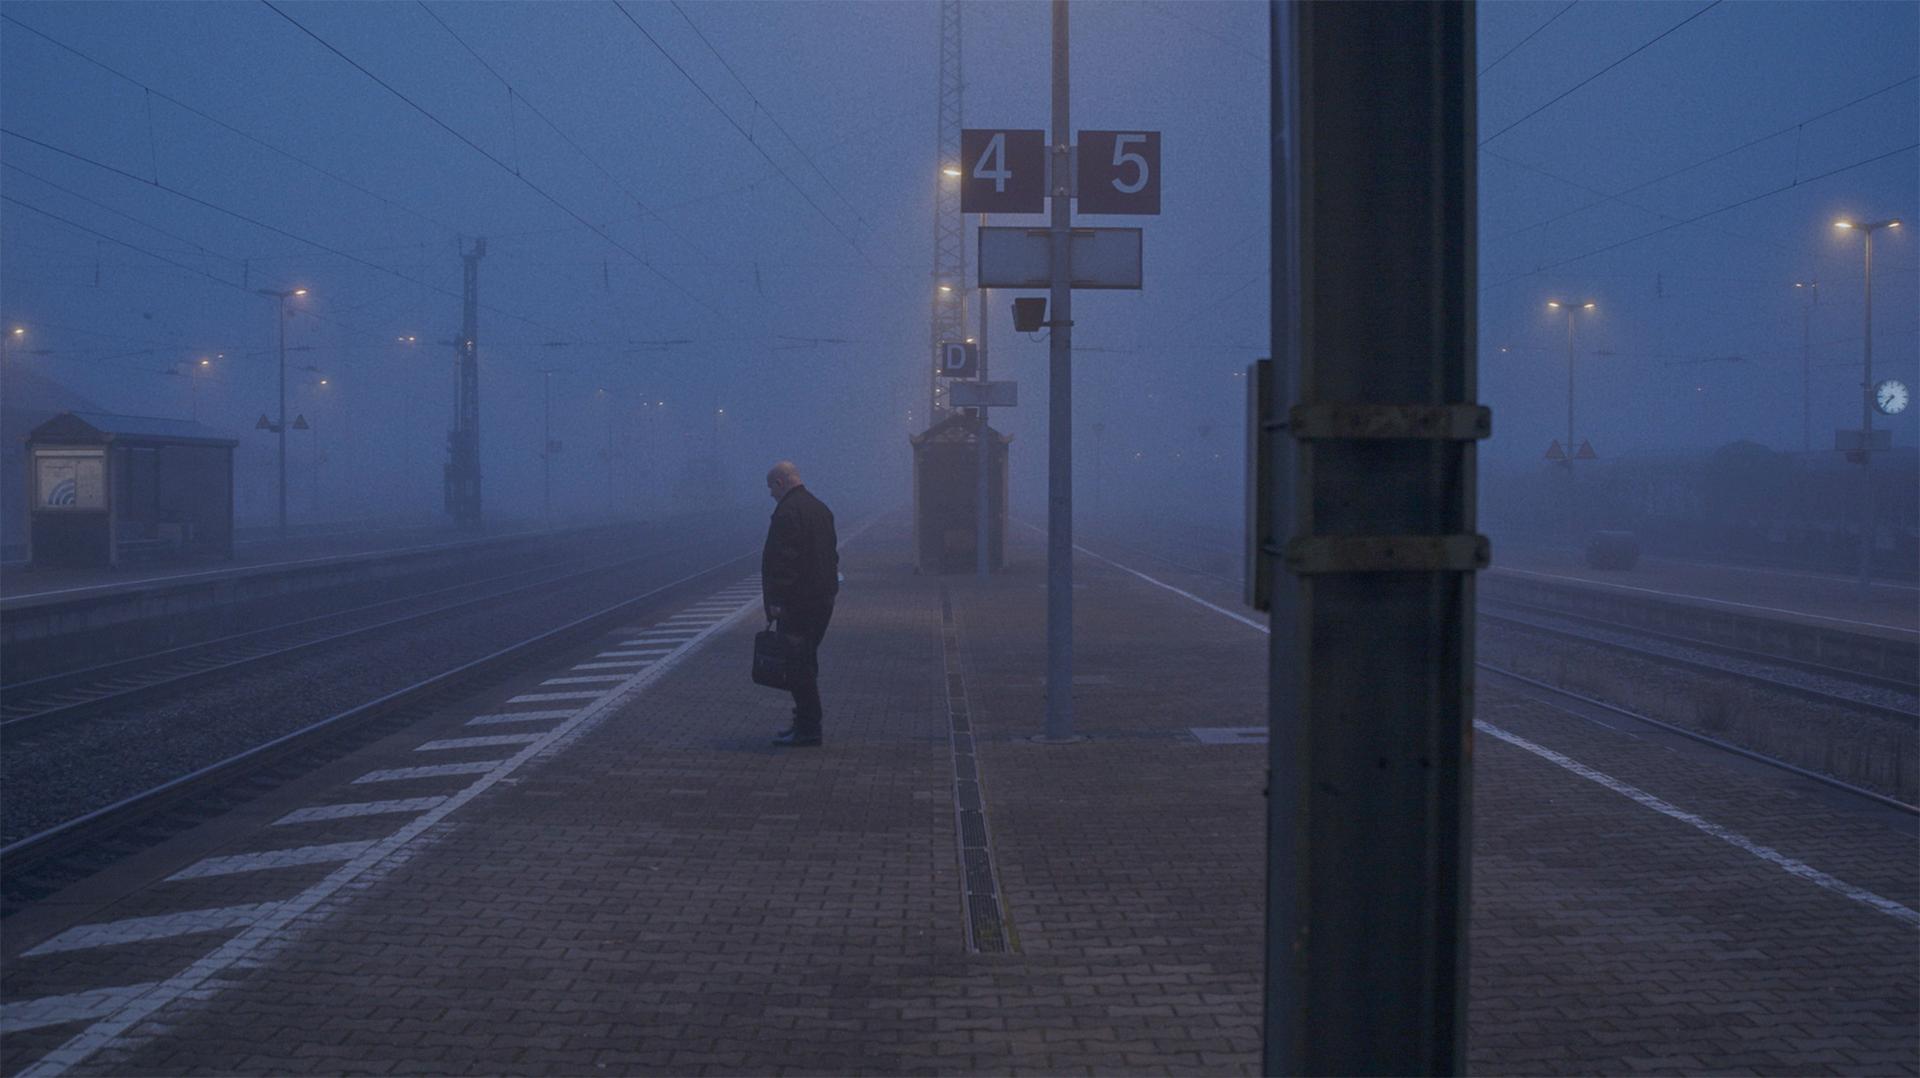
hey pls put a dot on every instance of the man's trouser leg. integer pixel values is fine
(812, 625)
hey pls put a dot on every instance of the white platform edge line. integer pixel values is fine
(268, 929)
(1765, 853)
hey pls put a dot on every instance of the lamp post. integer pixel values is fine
(280, 428)
(12, 336)
(1569, 307)
(1866, 402)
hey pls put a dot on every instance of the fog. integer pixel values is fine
(709, 246)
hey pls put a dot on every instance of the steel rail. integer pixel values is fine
(1905, 715)
(23, 856)
(1737, 750)
(149, 689)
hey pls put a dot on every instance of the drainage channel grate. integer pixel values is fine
(986, 924)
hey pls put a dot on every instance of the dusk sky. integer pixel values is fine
(728, 208)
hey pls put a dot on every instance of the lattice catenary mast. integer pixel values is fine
(949, 233)
(463, 441)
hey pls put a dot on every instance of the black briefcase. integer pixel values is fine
(775, 656)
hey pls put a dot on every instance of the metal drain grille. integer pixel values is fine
(986, 923)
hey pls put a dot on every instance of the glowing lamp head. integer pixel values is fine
(1586, 306)
(19, 331)
(950, 171)
(299, 291)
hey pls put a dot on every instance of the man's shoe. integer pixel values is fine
(792, 738)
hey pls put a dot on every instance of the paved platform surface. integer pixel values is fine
(656, 889)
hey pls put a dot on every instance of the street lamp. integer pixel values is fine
(1570, 308)
(1866, 400)
(280, 428)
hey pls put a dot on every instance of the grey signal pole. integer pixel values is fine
(983, 483)
(280, 427)
(1866, 407)
(1060, 410)
(1806, 363)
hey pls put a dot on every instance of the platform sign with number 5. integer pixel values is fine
(1003, 171)
(1120, 172)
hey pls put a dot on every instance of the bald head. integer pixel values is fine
(781, 478)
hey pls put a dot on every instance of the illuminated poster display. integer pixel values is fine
(70, 479)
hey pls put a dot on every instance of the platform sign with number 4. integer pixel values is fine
(1120, 172)
(1003, 171)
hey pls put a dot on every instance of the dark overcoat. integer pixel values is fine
(800, 564)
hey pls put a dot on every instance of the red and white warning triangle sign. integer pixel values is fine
(1585, 452)
(1554, 452)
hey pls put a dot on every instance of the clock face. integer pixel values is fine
(1890, 397)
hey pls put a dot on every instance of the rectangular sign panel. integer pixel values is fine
(1023, 257)
(1851, 441)
(958, 359)
(1119, 172)
(983, 394)
(70, 479)
(1003, 171)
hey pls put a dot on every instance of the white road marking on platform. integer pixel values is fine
(486, 742)
(273, 928)
(691, 616)
(549, 697)
(616, 664)
(1710, 599)
(585, 679)
(141, 929)
(234, 864)
(643, 653)
(649, 640)
(319, 813)
(431, 771)
(59, 1010)
(1241, 618)
(1765, 853)
(519, 717)
(1229, 735)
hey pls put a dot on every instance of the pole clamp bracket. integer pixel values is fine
(1432, 422)
(1313, 554)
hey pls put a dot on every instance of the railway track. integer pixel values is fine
(1580, 700)
(40, 862)
(144, 677)
(1888, 698)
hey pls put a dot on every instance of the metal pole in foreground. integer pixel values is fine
(1866, 433)
(546, 449)
(282, 427)
(1060, 410)
(983, 486)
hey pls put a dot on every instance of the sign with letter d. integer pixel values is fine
(959, 359)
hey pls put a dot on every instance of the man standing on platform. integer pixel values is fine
(799, 577)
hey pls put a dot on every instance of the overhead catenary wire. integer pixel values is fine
(195, 244)
(482, 151)
(1637, 51)
(516, 92)
(216, 121)
(257, 223)
(745, 134)
(1703, 162)
(1551, 19)
(1701, 216)
(768, 113)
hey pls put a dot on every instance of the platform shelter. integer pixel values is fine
(946, 463)
(106, 488)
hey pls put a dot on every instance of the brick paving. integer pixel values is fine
(673, 894)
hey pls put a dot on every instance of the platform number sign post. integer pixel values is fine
(1120, 172)
(1003, 171)
(959, 359)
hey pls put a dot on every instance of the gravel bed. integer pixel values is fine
(1877, 753)
(1844, 688)
(56, 773)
